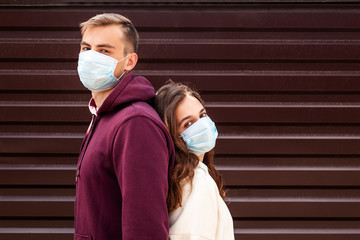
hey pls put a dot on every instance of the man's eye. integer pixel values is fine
(104, 51)
(85, 48)
(203, 115)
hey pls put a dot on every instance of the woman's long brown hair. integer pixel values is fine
(167, 99)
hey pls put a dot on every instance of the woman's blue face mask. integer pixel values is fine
(200, 137)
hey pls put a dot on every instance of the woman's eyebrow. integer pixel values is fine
(182, 120)
(84, 43)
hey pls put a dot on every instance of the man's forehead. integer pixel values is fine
(112, 29)
(109, 36)
(110, 33)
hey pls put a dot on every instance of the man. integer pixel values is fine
(127, 153)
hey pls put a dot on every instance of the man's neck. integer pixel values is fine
(99, 97)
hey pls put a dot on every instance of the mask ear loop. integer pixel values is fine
(124, 58)
(121, 75)
(125, 70)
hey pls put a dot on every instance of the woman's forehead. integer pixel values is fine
(188, 106)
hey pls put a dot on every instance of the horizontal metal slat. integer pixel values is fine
(38, 223)
(38, 191)
(253, 50)
(251, 81)
(54, 127)
(57, 207)
(291, 161)
(297, 224)
(36, 231)
(288, 145)
(300, 194)
(316, 130)
(160, 2)
(243, 129)
(283, 113)
(220, 112)
(291, 178)
(188, 33)
(36, 206)
(39, 160)
(55, 80)
(195, 65)
(263, 234)
(225, 144)
(44, 177)
(284, 209)
(239, 235)
(36, 236)
(165, 50)
(321, 232)
(232, 177)
(230, 97)
(45, 112)
(41, 144)
(258, 81)
(218, 17)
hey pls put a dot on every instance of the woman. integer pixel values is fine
(195, 200)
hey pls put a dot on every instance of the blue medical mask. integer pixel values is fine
(201, 136)
(96, 71)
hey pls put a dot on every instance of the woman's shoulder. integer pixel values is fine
(203, 180)
(202, 168)
(201, 183)
(201, 172)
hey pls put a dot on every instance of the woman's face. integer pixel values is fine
(188, 111)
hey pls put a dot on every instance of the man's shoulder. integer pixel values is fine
(137, 110)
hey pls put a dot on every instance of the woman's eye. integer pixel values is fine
(187, 124)
(203, 115)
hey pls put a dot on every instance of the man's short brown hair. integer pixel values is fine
(130, 33)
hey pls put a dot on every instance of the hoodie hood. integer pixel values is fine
(130, 89)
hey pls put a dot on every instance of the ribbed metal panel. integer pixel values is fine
(280, 80)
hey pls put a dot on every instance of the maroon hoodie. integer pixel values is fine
(123, 168)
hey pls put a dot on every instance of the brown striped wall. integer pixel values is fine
(281, 81)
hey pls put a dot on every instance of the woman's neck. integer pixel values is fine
(201, 157)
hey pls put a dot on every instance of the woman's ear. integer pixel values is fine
(131, 62)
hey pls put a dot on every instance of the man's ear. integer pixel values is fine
(131, 62)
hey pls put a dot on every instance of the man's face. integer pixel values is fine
(108, 40)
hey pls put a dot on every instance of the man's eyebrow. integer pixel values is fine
(106, 45)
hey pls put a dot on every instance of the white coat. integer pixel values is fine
(203, 214)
